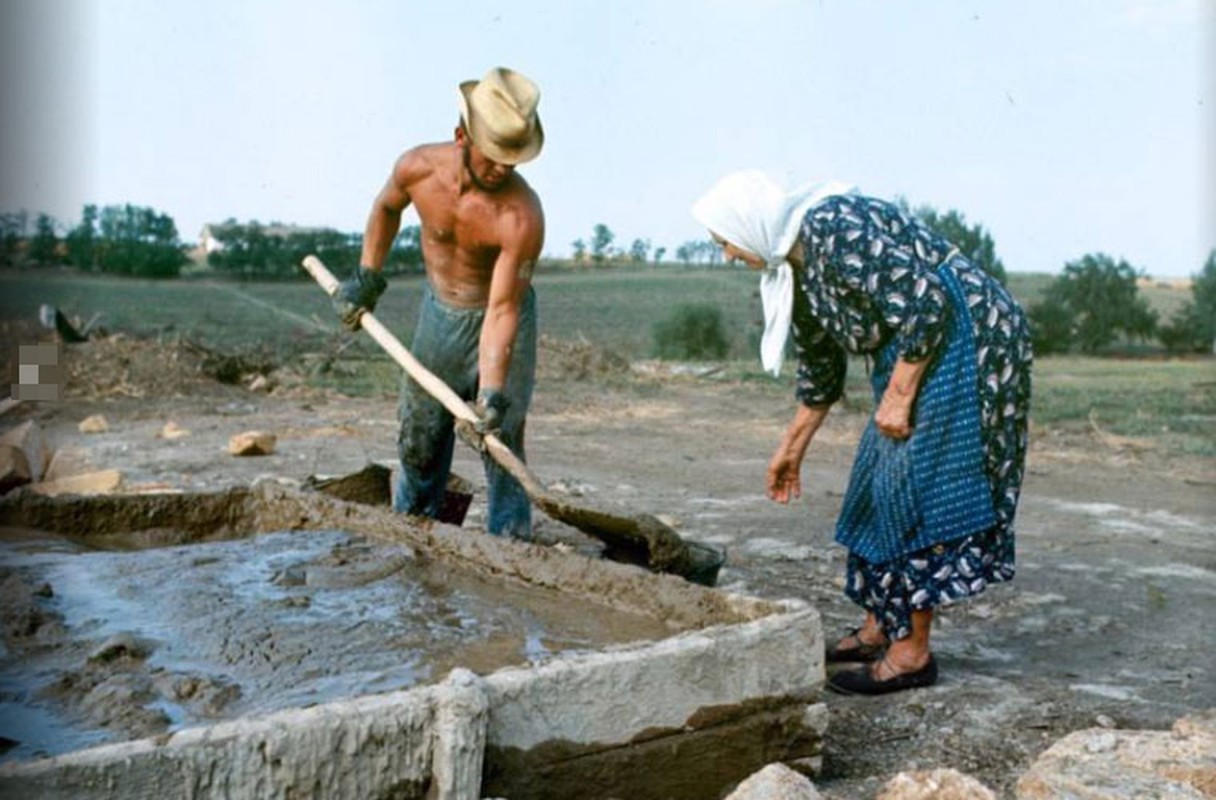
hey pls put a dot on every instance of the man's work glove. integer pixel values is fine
(357, 294)
(491, 407)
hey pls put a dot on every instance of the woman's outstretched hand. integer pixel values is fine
(784, 479)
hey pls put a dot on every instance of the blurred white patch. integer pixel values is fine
(1123, 693)
(776, 548)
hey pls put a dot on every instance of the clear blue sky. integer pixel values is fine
(1063, 126)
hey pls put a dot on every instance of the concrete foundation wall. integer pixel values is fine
(376, 746)
(562, 719)
(618, 693)
(685, 717)
(735, 687)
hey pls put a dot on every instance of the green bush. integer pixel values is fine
(1090, 305)
(1051, 323)
(1193, 327)
(691, 331)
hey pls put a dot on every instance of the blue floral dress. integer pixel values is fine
(880, 283)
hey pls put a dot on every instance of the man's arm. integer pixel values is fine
(384, 220)
(362, 289)
(523, 234)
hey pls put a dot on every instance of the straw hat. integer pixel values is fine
(499, 112)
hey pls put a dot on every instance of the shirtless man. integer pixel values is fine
(482, 232)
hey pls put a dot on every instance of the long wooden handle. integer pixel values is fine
(427, 379)
(648, 540)
(434, 385)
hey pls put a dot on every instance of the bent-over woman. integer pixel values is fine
(928, 514)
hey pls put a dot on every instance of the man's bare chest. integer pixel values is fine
(458, 228)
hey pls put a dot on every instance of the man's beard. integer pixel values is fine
(478, 182)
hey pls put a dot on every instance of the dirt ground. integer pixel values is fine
(1108, 623)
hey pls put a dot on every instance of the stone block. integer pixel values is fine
(1101, 764)
(94, 424)
(29, 437)
(775, 782)
(14, 468)
(252, 443)
(937, 784)
(100, 482)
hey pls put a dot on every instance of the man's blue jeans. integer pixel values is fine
(446, 342)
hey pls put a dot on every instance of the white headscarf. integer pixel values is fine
(751, 211)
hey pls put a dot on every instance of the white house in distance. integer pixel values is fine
(207, 241)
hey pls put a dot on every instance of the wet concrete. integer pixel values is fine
(153, 640)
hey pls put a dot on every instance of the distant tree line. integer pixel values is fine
(126, 240)
(253, 251)
(142, 242)
(702, 251)
(600, 251)
(119, 239)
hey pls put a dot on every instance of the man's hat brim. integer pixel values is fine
(489, 141)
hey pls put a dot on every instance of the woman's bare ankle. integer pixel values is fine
(903, 655)
(865, 636)
(871, 632)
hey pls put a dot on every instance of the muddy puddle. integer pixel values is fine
(107, 645)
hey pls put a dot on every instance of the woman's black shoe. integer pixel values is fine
(860, 681)
(861, 654)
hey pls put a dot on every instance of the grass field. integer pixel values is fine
(612, 309)
(1173, 401)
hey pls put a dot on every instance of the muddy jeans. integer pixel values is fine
(446, 342)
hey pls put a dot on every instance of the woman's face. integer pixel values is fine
(733, 253)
